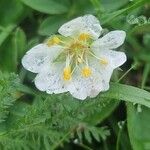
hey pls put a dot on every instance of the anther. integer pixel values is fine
(84, 36)
(104, 61)
(54, 41)
(67, 73)
(86, 72)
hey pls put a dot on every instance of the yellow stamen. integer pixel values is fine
(104, 61)
(67, 73)
(55, 40)
(86, 72)
(83, 37)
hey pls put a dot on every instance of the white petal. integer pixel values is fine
(88, 24)
(118, 58)
(114, 58)
(38, 48)
(104, 71)
(111, 40)
(82, 87)
(39, 56)
(50, 80)
(76, 90)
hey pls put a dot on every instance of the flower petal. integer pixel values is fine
(49, 80)
(111, 40)
(114, 58)
(104, 71)
(82, 87)
(40, 55)
(88, 24)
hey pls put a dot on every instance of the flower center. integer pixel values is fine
(76, 48)
(76, 52)
(76, 45)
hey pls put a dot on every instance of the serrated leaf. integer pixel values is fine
(79, 135)
(107, 106)
(96, 135)
(8, 93)
(88, 135)
(46, 143)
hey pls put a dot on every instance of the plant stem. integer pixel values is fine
(132, 67)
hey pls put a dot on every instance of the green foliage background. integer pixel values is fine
(115, 120)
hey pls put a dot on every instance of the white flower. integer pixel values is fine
(77, 60)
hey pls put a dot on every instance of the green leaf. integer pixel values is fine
(8, 61)
(110, 16)
(146, 39)
(12, 48)
(79, 134)
(10, 11)
(87, 135)
(99, 132)
(32, 42)
(46, 143)
(113, 4)
(6, 32)
(141, 29)
(127, 93)
(107, 107)
(19, 43)
(96, 136)
(8, 93)
(138, 127)
(146, 73)
(51, 25)
(47, 6)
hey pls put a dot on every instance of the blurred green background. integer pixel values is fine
(25, 23)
